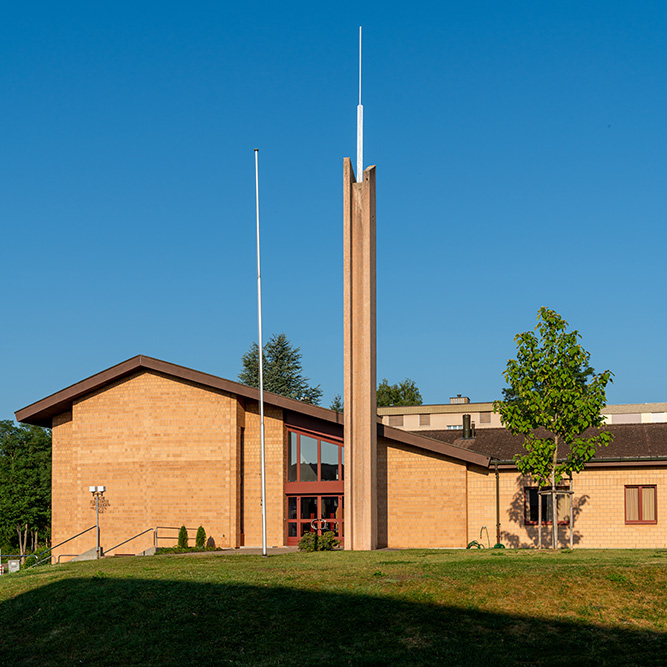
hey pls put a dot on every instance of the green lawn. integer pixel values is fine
(381, 608)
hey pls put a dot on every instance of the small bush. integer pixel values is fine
(325, 542)
(200, 540)
(183, 538)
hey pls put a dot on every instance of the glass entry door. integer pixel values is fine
(308, 514)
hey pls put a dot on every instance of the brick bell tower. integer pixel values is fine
(359, 322)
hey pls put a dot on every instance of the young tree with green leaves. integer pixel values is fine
(25, 484)
(552, 386)
(283, 372)
(402, 393)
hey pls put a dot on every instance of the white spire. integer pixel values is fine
(360, 125)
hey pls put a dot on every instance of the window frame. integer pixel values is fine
(549, 521)
(319, 486)
(640, 488)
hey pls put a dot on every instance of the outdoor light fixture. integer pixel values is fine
(98, 492)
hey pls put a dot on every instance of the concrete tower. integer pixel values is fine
(359, 322)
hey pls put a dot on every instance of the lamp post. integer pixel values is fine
(98, 492)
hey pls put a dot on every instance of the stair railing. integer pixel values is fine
(148, 530)
(69, 539)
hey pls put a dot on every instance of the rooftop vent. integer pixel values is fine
(459, 400)
(468, 428)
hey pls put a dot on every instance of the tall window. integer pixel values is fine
(640, 504)
(531, 507)
(312, 459)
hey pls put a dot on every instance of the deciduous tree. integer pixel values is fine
(552, 386)
(25, 483)
(401, 393)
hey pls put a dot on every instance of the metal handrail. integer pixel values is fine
(170, 537)
(148, 530)
(69, 539)
(65, 556)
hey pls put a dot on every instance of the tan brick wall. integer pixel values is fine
(275, 456)
(163, 449)
(64, 483)
(599, 510)
(421, 498)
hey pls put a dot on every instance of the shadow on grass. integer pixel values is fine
(106, 621)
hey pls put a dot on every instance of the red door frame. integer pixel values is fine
(313, 523)
(320, 489)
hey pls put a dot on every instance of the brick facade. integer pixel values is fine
(164, 448)
(421, 498)
(175, 446)
(598, 507)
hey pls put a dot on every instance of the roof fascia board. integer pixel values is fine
(437, 446)
(41, 412)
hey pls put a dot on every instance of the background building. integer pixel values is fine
(449, 416)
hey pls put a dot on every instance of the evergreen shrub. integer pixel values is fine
(325, 542)
(200, 540)
(183, 538)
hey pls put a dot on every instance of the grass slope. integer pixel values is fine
(381, 608)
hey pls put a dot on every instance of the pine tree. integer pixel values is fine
(336, 404)
(283, 372)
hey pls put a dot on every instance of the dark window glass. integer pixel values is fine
(291, 508)
(532, 502)
(532, 506)
(291, 530)
(330, 507)
(291, 464)
(308, 459)
(309, 507)
(329, 463)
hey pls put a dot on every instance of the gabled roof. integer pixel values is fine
(42, 412)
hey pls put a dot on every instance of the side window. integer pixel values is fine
(531, 507)
(641, 504)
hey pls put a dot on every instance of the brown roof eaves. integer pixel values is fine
(432, 445)
(42, 412)
(632, 442)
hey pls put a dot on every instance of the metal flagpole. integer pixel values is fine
(97, 498)
(260, 352)
(360, 125)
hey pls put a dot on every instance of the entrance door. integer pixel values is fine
(307, 514)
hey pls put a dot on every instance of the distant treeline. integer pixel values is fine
(25, 487)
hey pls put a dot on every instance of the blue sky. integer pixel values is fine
(521, 161)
